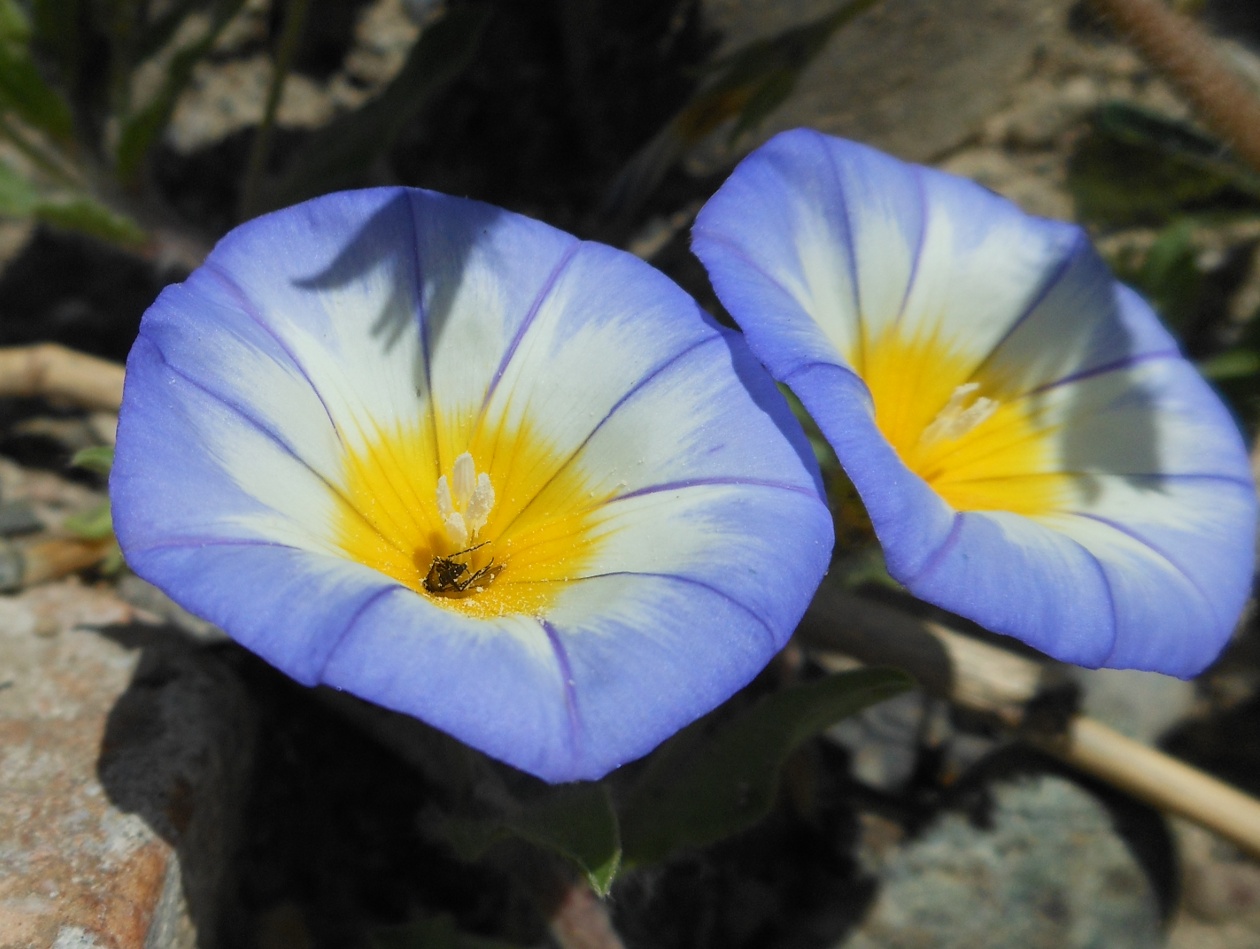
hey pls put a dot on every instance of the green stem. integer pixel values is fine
(290, 34)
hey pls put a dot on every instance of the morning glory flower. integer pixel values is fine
(1032, 449)
(468, 467)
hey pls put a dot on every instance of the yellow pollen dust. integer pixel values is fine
(978, 448)
(497, 530)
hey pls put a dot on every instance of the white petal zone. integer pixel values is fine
(232, 357)
(1156, 417)
(587, 348)
(884, 207)
(483, 271)
(983, 263)
(762, 548)
(1085, 322)
(347, 313)
(248, 487)
(668, 430)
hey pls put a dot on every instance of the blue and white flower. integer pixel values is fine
(466, 466)
(1032, 449)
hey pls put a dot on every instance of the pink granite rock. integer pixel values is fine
(123, 752)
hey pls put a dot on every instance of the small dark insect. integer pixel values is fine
(448, 575)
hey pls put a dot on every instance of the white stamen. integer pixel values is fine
(480, 504)
(954, 421)
(465, 509)
(445, 507)
(464, 477)
(456, 530)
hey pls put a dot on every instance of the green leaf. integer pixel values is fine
(142, 128)
(15, 27)
(1138, 167)
(1234, 364)
(18, 196)
(439, 932)
(700, 787)
(338, 155)
(89, 216)
(61, 207)
(23, 90)
(1170, 276)
(98, 458)
(576, 821)
(92, 524)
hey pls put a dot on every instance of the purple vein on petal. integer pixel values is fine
(637, 387)
(567, 683)
(353, 621)
(719, 481)
(679, 578)
(920, 242)
(1080, 244)
(539, 299)
(751, 263)
(181, 542)
(1156, 477)
(846, 219)
(822, 364)
(1111, 597)
(267, 432)
(251, 310)
(1153, 548)
(1124, 362)
(422, 321)
(951, 539)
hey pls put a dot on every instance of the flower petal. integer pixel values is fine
(645, 520)
(1096, 504)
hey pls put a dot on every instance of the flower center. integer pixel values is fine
(978, 452)
(958, 418)
(464, 504)
(500, 531)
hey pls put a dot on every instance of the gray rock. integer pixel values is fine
(912, 77)
(1048, 872)
(1141, 705)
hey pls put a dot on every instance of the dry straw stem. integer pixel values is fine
(55, 372)
(25, 566)
(1177, 47)
(987, 679)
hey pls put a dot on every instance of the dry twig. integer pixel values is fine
(55, 372)
(987, 679)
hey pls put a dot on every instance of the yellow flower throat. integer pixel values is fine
(497, 530)
(978, 445)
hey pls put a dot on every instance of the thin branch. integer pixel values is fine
(1160, 781)
(48, 370)
(984, 678)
